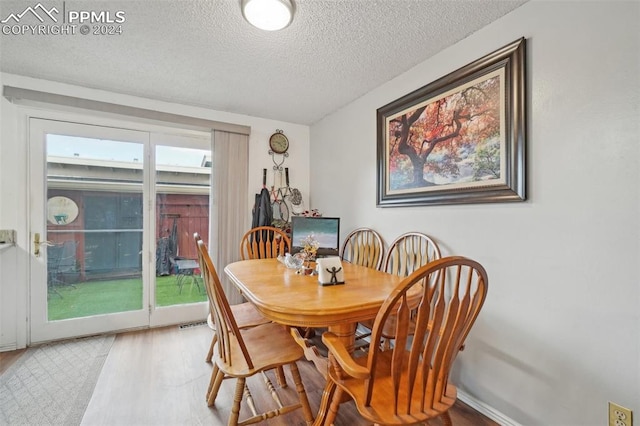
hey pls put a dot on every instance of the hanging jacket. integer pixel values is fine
(262, 210)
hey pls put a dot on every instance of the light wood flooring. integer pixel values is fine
(159, 377)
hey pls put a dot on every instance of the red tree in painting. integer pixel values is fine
(450, 130)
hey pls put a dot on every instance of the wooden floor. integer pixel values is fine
(159, 377)
(8, 358)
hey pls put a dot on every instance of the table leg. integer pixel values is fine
(346, 333)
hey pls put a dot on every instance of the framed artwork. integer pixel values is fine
(459, 139)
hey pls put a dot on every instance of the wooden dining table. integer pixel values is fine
(293, 299)
(298, 300)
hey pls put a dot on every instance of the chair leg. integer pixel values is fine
(214, 374)
(302, 394)
(213, 342)
(327, 397)
(214, 385)
(333, 408)
(249, 398)
(237, 399)
(446, 419)
(282, 380)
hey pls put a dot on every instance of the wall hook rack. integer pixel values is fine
(278, 165)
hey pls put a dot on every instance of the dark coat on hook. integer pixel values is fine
(262, 210)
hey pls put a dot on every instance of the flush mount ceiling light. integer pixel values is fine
(269, 15)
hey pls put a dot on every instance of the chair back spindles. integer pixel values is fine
(364, 247)
(264, 242)
(409, 252)
(453, 292)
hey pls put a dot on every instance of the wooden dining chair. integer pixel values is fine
(242, 353)
(264, 242)
(246, 314)
(409, 384)
(406, 254)
(409, 252)
(364, 247)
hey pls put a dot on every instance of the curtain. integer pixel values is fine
(229, 206)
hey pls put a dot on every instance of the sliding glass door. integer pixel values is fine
(182, 188)
(102, 201)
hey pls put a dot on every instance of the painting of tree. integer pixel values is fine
(460, 139)
(452, 139)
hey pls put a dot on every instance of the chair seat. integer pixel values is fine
(270, 345)
(383, 411)
(247, 315)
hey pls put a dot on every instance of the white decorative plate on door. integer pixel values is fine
(61, 210)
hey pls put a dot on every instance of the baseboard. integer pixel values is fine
(486, 410)
(8, 347)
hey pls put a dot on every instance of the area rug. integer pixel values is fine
(53, 383)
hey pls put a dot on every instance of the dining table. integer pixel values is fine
(290, 298)
(287, 297)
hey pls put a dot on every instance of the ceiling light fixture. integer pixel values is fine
(269, 15)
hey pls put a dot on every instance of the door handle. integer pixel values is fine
(37, 244)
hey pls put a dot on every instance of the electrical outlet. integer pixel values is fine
(619, 416)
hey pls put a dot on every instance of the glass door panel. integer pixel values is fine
(181, 190)
(90, 215)
(182, 208)
(104, 273)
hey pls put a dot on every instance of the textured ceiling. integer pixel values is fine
(203, 53)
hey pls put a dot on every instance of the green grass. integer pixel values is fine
(105, 297)
(167, 291)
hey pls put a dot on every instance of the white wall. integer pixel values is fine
(13, 259)
(13, 180)
(2, 296)
(559, 334)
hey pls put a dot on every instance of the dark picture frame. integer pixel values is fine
(459, 139)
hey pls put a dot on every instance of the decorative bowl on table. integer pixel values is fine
(293, 262)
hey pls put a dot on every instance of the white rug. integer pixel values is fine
(52, 384)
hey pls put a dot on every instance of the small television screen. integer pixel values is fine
(325, 229)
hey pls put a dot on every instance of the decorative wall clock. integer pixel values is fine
(278, 142)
